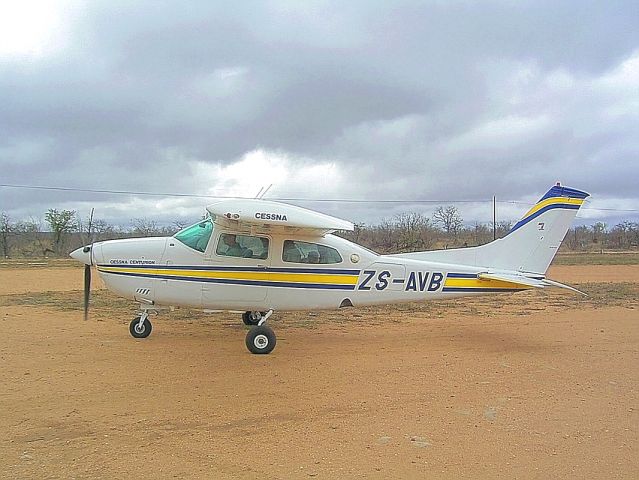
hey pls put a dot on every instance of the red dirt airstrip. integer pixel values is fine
(534, 385)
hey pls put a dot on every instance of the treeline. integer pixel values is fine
(63, 230)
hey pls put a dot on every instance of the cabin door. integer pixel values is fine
(236, 272)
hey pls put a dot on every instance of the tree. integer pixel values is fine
(413, 232)
(85, 228)
(385, 232)
(481, 234)
(449, 219)
(179, 224)
(598, 231)
(61, 222)
(143, 227)
(6, 228)
(102, 229)
(32, 240)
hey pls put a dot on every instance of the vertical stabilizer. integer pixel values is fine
(533, 242)
(530, 245)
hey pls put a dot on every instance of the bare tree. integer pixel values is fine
(61, 222)
(577, 237)
(144, 227)
(598, 232)
(103, 230)
(413, 231)
(481, 234)
(32, 240)
(6, 228)
(449, 219)
(503, 228)
(86, 228)
(625, 234)
(179, 224)
(384, 235)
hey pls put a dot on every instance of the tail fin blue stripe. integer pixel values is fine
(559, 191)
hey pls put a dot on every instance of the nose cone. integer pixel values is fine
(82, 254)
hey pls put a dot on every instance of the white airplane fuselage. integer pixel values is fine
(164, 271)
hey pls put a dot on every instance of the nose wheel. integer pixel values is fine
(141, 327)
(260, 339)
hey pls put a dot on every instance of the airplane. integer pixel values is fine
(260, 256)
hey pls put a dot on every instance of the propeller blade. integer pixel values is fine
(87, 289)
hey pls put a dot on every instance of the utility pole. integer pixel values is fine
(494, 217)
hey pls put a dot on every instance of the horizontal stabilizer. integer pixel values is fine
(522, 280)
(552, 283)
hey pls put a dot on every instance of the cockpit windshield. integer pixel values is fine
(196, 236)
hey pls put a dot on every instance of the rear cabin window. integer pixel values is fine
(295, 251)
(243, 246)
(196, 236)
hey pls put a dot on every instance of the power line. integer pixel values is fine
(291, 199)
(193, 195)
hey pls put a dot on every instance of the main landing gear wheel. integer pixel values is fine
(252, 318)
(260, 340)
(140, 330)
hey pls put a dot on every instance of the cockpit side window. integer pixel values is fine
(244, 246)
(196, 236)
(295, 251)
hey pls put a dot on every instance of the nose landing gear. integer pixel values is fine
(252, 318)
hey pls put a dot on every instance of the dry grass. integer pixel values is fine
(597, 258)
(39, 263)
(105, 305)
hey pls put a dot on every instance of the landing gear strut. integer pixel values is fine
(141, 327)
(252, 318)
(260, 339)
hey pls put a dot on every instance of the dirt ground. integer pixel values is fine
(532, 385)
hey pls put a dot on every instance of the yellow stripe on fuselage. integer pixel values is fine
(483, 283)
(319, 278)
(554, 201)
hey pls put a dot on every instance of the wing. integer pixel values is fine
(269, 216)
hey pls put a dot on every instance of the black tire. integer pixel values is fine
(260, 340)
(248, 319)
(143, 332)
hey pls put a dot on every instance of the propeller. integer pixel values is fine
(87, 269)
(87, 283)
(87, 290)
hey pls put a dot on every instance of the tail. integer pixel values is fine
(530, 245)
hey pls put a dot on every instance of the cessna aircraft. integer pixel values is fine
(259, 256)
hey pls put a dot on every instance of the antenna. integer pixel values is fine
(90, 229)
(258, 193)
(265, 191)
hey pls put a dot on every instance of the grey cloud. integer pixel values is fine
(386, 90)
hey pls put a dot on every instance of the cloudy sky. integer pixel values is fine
(434, 100)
